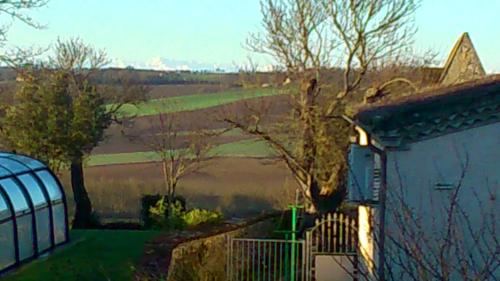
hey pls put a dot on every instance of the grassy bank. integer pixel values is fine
(244, 148)
(91, 255)
(192, 102)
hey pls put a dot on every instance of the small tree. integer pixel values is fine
(308, 37)
(59, 116)
(181, 153)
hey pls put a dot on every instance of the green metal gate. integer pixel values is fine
(333, 234)
(266, 260)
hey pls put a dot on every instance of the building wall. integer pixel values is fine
(421, 181)
(338, 268)
(367, 217)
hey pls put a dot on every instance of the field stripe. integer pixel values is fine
(193, 102)
(244, 148)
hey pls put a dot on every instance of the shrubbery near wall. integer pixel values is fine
(156, 214)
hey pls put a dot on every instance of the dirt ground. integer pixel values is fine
(238, 187)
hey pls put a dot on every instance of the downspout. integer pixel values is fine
(382, 198)
(382, 195)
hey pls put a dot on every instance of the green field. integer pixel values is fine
(244, 148)
(91, 255)
(192, 102)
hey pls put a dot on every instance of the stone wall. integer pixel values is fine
(463, 64)
(205, 259)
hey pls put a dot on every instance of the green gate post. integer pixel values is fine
(287, 263)
(294, 240)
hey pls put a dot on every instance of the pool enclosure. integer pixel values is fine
(33, 213)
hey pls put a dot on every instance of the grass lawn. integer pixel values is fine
(244, 148)
(91, 255)
(192, 102)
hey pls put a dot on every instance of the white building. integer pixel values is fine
(425, 171)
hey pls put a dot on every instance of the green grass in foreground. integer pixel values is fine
(91, 255)
(244, 148)
(192, 102)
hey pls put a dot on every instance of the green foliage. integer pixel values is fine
(199, 216)
(167, 216)
(148, 201)
(52, 121)
(154, 212)
(162, 216)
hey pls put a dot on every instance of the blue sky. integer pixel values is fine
(204, 33)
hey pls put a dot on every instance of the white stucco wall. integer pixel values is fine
(412, 176)
(338, 268)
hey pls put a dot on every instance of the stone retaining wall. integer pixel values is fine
(205, 259)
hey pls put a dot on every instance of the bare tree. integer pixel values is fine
(247, 73)
(309, 37)
(181, 153)
(17, 10)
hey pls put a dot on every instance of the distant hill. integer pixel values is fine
(229, 80)
(154, 77)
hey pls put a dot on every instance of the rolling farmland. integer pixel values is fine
(192, 102)
(241, 180)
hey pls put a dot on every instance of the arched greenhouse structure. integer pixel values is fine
(33, 211)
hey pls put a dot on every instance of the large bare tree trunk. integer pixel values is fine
(83, 206)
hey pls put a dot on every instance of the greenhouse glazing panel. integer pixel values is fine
(15, 194)
(13, 166)
(59, 223)
(50, 183)
(7, 244)
(34, 190)
(4, 209)
(4, 172)
(30, 162)
(25, 237)
(43, 228)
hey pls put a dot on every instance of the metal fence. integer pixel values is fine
(334, 234)
(266, 260)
